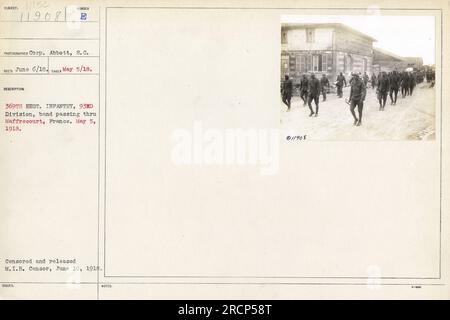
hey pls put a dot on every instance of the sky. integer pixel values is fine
(407, 36)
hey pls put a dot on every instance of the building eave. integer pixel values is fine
(387, 53)
(293, 26)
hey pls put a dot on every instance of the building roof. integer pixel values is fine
(387, 53)
(326, 25)
(418, 60)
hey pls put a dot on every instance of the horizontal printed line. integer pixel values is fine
(279, 8)
(69, 21)
(49, 39)
(49, 74)
(273, 277)
(25, 56)
(227, 283)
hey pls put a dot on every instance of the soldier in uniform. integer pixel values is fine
(287, 91)
(357, 96)
(432, 78)
(404, 83)
(373, 80)
(325, 85)
(366, 79)
(382, 90)
(394, 83)
(304, 89)
(412, 83)
(340, 82)
(313, 94)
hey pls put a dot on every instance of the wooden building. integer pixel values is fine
(387, 61)
(414, 62)
(328, 48)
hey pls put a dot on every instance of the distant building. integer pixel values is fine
(387, 61)
(414, 62)
(328, 48)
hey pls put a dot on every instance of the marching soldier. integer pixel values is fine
(325, 85)
(394, 83)
(382, 90)
(304, 89)
(405, 84)
(313, 94)
(432, 78)
(287, 91)
(357, 96)
(373, 80)
(412, 83)
(366, 79)
(340, 82)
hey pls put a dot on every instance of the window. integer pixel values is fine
(315, 63)
(284, 64)
(298, 59)
(303, 63)
(309, 62)
(300, 63)
(325, 62)
(284, 37)
(309, 35)
(348, 63)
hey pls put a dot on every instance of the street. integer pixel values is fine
(412, 118)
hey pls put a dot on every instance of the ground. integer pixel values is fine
(412, 118)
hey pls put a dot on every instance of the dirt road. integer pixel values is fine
(412, 118)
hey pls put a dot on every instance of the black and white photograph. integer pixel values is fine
(358, 77)
(224, 155)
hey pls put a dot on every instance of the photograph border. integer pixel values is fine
(105, 275)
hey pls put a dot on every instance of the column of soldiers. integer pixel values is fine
(311, 88)
(386, 84)
(430, 77)
(392, 82)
